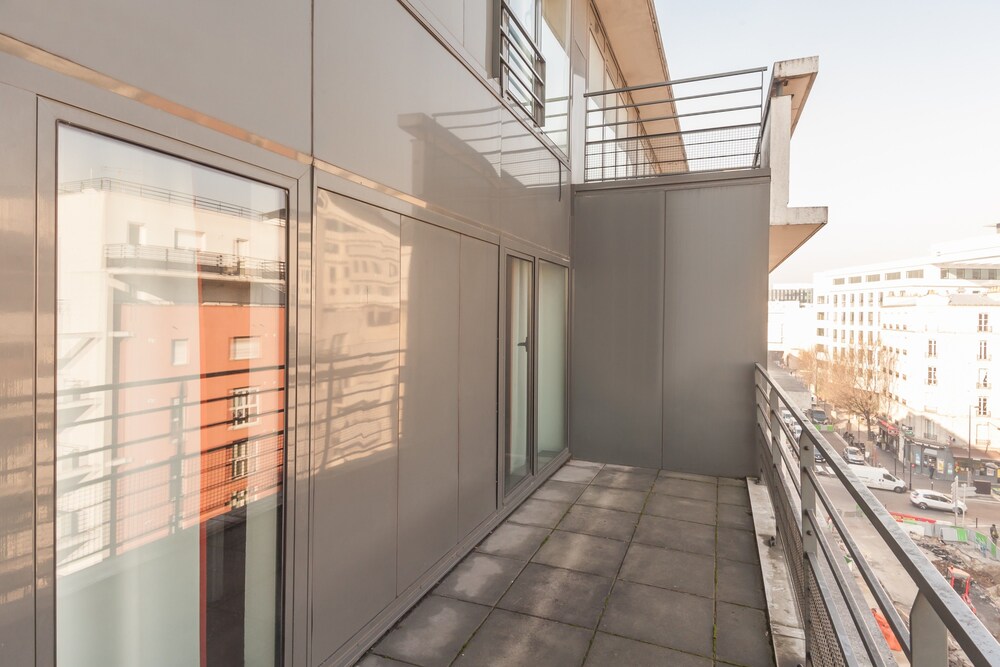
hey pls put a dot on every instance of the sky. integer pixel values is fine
(900, 137)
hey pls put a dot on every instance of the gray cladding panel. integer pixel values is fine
(249, 56)
(715, 328)
(355, 441)
(477, 365)
(428, 441)
(430, 128)
(17, 371)
(617, 341)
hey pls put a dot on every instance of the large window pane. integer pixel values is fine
(170, 390)
(552, 316)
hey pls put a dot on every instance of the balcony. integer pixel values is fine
(603, 565)
(163, 258)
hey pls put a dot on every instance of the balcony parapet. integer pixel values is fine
(840, 625)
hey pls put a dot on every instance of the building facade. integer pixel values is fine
(303, 303)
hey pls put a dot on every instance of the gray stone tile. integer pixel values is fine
(685, 488)
(507, 639)
(734, 495)
(480, 578)
(733, 516)
(658, 531)
(738, 545)
(544, 513)
(514, 541)
(560, 492)
(740, 583)
(585, 464)
(732, 481)
(613, 499)
(584, 553)
(685, 509)
(607, 650)
(434, 632)
(575, 474)
(372, 660)
(690, 476)
(617, 479)
(743, 636)
(560, 595)
(635, 469)
(600, 522)
(662, 617)
(666, 568)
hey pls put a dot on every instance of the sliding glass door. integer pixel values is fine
(518, 446)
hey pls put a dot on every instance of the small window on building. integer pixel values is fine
(892, 276)
(931, 348)
(179, 352)
(931, 375)
(239, 459)
(244, 347)
(855, 279)
(984, 379)
(917, 273)
(838, 281)
(982, 407)
(872, 278)
(244, 407)
(519, 62)
(983, 351)
(984, 323)
(136, 233)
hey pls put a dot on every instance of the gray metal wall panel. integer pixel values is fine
(17, 371)
(355, 442)
(251, 58)
(430, 128)
(716, 322)
(617, 341)
(428, 413)
(477, 365)
(535, 195)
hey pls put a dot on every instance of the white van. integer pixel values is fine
(878, 478)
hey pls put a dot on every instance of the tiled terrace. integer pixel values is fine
(603, 565)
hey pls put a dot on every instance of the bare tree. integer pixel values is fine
(814, 369)
(861, 379)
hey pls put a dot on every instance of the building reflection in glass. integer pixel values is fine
(170, 409)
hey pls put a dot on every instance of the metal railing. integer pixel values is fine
(835, 603)
(702, 123)
(520, 64)
(172, 197)
(164, 258)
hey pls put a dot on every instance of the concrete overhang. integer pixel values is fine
(791, 82)
(634, 36)
(794, 78)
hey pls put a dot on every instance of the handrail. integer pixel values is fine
(970, 634)
(666, 128)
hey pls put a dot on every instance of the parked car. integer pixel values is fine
(853, 455)
(935, 500)
(818, 416)
(878, 478)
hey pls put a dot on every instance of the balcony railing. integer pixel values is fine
(520, 64)
(836, 603)
(164, 258)
(703, 123)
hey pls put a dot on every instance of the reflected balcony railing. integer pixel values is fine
(697, 124)
(848, 609)
(165, 258)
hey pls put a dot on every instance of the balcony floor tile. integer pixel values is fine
(633, 574)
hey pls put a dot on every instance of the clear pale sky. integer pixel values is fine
(901, 133)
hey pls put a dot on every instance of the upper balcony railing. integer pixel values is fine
(835, 602)
(163, 258)
(702, 123)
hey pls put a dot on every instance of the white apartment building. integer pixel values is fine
(935, 314)
(790, 319)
